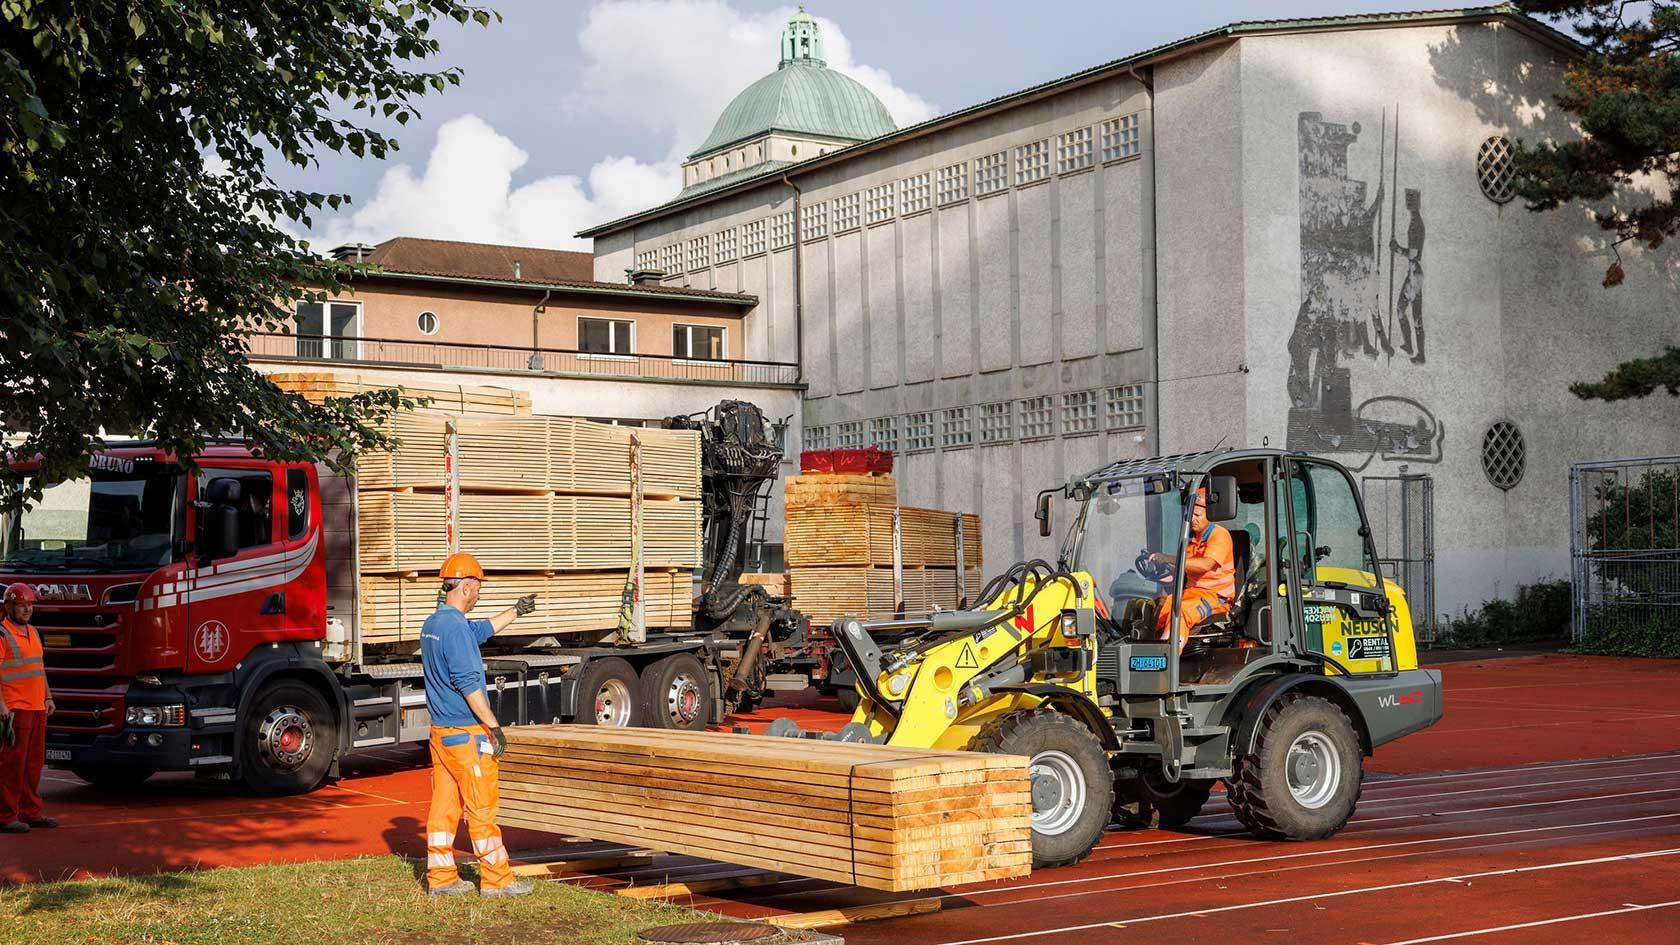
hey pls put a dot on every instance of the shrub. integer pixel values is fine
(1540, 613)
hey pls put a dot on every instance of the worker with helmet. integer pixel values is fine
(466, 738)
(25, 704)
(1210, 575)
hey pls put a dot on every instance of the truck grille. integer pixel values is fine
(79, 643)
(88, 711)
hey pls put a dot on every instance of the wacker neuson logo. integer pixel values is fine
(63, 592)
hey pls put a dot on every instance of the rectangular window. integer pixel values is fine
(255, 505)
(953, 183)
(878, 205)
(849, 435)
(1032, 162)
(606, 336)
(647, 260)
(817, 438)
(699, 253)
(698, 342)
(959, 428)
(726, 245)
(848, 213)
(1073, 151)
(991, 174)
(997, 422)
(328, 330)
(915, 194)
(670, 259)
(1038, 417)
(752, 238)
(813, 221)
(1123, 407)
(918, 432)
(781, 230)
(883, 432)
(1079, 412)
(1121, 138)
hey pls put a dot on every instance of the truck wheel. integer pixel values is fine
(1150, 800)
(676, 694)
(1072, 785)
(112, 779)
(290, 738)
(848, 697)
(606, 694)
(1305, 774)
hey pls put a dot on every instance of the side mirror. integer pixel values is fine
(218, 519)
(1043, 514)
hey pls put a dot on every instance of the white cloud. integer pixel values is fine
(665, 66)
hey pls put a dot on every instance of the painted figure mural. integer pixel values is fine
(1348, 393)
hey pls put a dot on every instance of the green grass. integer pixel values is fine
(368, 901)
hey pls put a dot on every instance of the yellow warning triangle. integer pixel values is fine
(965, 659)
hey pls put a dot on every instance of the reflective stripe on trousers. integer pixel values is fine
(464, 772)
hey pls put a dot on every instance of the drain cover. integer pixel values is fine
(709, 933)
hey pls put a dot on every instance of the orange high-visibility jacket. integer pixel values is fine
(23, 675)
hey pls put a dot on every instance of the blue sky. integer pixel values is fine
(571, 113)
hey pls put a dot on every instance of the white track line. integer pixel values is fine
(1499, 704)
(1517, 787)
(1521, 769)
(1333, 894)
(1529, 925)
(1480, 810)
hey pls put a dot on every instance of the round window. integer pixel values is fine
(1496, 169)
(428, 322)
(1504, 454)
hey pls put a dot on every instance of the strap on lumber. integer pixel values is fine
(962, 578)
(898, 561)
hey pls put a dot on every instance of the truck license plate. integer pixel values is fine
(58, 754)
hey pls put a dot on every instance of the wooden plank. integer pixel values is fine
(698, 887)
(394, 607)
(583, 865)
(847, 915)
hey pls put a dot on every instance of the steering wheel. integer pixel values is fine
(1153, 570)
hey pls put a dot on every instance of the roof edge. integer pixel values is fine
(740, 299)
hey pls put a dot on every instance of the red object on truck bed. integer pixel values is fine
(872, 459)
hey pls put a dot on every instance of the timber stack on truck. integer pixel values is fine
(225, 621)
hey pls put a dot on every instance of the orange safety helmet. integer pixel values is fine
(461, 565)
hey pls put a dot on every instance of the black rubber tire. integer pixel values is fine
(112, 779)
(1259, 785)
(595, 675)
(658, 680)
(260, 769)
(1149, 800)
(1038, 731)
(848, 697)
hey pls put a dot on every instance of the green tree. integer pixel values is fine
(1625, 94)
(131, 271)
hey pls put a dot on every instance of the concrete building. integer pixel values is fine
(1221, 240)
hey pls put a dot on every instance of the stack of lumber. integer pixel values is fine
(450, 398)
(840, 550)
(878, 816)
(394, 607)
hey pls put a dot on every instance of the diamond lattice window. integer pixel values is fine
(1073, 151)
(915, 194)
(953, 184)
(1120, 138)
(1032, 162)
(991, 174)
(1496, 169)
(1504, 454)
(848, 213)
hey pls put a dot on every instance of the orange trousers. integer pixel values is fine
(464, 779)
(1196, 606)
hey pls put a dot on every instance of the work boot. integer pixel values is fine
(43, 823)
(16, 826)
(459, 887)
(511, 889)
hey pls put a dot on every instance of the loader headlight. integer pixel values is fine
(1070, 624)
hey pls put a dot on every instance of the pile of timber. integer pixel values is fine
(450, 398)
(394, 606)
(843, 556)
(878, 816)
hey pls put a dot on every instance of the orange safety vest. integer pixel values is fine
(23, 675)
(1215, 543)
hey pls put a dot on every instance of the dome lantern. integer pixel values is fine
(802, 41)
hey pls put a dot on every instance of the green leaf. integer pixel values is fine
(137, 23)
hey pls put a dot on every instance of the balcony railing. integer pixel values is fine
(395, 352)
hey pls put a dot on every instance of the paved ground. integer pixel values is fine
(1546, 801)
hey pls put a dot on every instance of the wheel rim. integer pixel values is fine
(613, 704)
(1058, 792)
(286, 739)
(682, 699)
(1314, 769)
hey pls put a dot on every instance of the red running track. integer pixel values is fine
(1545, 807)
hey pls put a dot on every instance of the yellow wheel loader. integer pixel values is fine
(1282, 694)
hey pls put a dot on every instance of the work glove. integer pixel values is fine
(498, 741)
(525, 605)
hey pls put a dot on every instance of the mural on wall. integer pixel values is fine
(1351, 389)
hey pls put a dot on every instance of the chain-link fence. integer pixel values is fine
(1624, 546)
(1401, 510)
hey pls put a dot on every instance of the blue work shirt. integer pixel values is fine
(454, 669)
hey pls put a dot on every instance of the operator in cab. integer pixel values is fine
(1210, 575)
(466, 738)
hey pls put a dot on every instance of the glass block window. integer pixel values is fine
(991, 174)
(813, 221)
(997, 422)
(781, 230)
(726, 243)
(959, 428)
(1120, 138)
(818, 438)
(1073, 151)
(699, 252)
(671, 259)
(878, 204)
(918, 432)
(849, 436)
(1123, 407)
(752, 238)
(883, 432)
(848, 212)
(953, 184)
(1038, 417)
(1032, 162)
(1079, 412)
(915, 194)
(647, 260)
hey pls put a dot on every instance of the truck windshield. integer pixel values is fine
(1120, 525)
(105, 522)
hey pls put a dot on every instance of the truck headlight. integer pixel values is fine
(153, 716)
